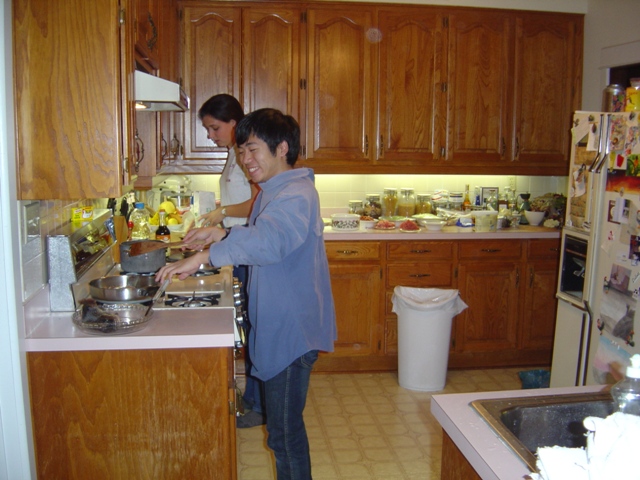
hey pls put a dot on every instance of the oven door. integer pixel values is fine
(573, 277)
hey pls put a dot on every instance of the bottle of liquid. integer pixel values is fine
(626, 393)
(406, 203)
(140, 219)
(466, 202)
(163, 233)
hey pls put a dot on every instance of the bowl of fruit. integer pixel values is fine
(172, 217)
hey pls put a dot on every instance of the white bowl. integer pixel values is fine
(534, 218)
(367, 224)
(434, 226)
(345, 221)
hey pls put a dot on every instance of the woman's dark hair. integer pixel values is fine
(272, 127)
(222, 107)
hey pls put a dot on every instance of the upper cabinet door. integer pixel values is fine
(412, 104)
(480, 88)
(211, 65)
(271, 59)
(340, 86)
(548, 87)
(146, 32)
(72, 83)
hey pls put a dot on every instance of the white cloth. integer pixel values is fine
(612, 443)
(234, 187)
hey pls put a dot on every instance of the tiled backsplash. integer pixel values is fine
(38, 219)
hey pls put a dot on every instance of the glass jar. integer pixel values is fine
(356, 206)
(455, 200)
(389, 202)
(406, 202)
(492, 201)
(372, 206)
(423, 203)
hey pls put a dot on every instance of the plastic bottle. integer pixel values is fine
(140, 219)
(163, 233)
(626, 393)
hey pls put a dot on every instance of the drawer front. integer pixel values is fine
(346, 251)
(427, 274)
(420, 251)
(544, 248)
(481, 249)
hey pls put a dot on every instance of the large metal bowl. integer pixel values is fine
(124, 288)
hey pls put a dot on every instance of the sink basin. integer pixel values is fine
(526, 423)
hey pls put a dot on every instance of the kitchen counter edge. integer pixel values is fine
(447, 233)
(54, 331)
(482, 448)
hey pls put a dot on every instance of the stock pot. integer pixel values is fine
(146, 263)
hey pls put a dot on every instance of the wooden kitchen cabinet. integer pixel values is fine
(146, 26)
(490, 275)
(73, 86)
(514, 82)
(539, 313)
(356, 283)
(124, 414)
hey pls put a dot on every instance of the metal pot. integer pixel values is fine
(146, 263)
(181, 201)
(124, 288)
(182, 254)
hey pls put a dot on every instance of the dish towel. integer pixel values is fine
(612, 444)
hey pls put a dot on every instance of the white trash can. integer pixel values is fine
(424, 330)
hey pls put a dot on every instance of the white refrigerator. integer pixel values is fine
(599, 275)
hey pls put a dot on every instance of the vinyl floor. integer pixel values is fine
(366, 427)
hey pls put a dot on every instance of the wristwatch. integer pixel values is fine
(224, 211)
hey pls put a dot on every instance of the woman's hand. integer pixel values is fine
(183, 268)
(212, 218)
(199, 238)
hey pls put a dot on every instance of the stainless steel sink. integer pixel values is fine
(527, 423)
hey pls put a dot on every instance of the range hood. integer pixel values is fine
(154, 94)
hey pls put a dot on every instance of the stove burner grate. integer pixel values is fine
(192, 301)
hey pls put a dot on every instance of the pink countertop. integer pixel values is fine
(480, 445)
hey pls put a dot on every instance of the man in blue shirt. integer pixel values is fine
(289, 292)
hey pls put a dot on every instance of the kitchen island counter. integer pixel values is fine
(523, 232)
(486, 453)
(172, 328)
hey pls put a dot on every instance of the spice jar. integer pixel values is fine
(423, 203)
(389, 202)
(372, 206)
(356, 206)
(406, 203)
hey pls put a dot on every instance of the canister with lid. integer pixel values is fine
(406, 202)
(389, 202)
(423, 203)
(372, 205)
(613, 98)
(356, 206)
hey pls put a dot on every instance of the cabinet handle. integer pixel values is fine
(176, 148)
(164, 148)
(381, 145)
(420, 251)
(139, 151)
(530, 277)
(517, 277)
(517, 149)
(420, 275)
(366, 145)
(154, 37)
(504, 147)
(490, 250)
(348, 252)
(442, 152)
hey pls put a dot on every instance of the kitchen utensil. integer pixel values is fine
(110, 318)
(144, 263)
(149, 246)
(123, 288)
(158, 294)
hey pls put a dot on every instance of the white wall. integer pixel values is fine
(609, 23)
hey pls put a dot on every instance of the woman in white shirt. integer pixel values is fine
(219, 116)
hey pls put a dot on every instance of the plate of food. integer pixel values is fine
(385, 225)
(409, 226)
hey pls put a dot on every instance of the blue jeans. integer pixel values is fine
(285, 398)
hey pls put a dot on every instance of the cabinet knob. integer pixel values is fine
(420, 251)
(490, 250)
(348, 252)
(419, 275)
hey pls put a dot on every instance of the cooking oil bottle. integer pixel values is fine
(140, 219)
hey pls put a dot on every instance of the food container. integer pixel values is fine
(406, 203)
(485, 220)
(534, 218)
(367, 224)
(613, 98)
(114, 318)
(434, 226)
(345, 221)
(373, 206)
(124, 288)
(389, 202)
(146, 263)
(356, 206)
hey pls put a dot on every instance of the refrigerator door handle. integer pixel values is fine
(599, 152)
(585, 346)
